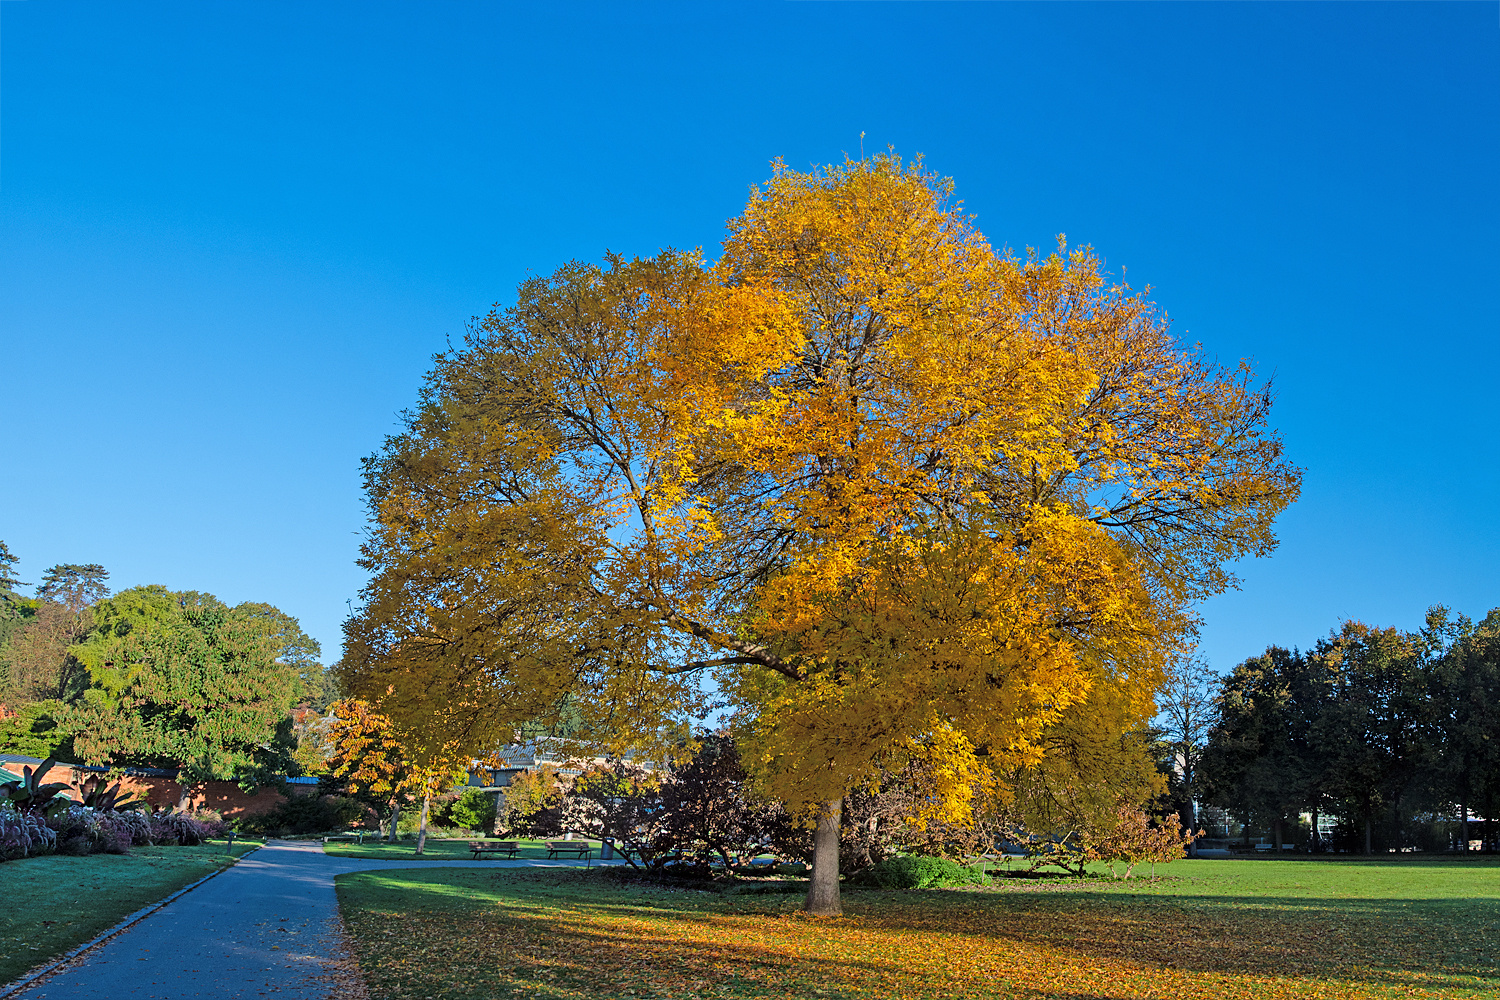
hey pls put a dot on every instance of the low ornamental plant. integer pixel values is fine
(101, 795)
(24, 833)
(113, 833)
(177, 828)
(84, 830)
(38, 818)
(76, 827)
(916, 871)
(137, 825)
(120, 830)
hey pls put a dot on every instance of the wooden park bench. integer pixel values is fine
(509, 848)
(577, 848)
(358, 836)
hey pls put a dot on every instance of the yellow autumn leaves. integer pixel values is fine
(901, 493)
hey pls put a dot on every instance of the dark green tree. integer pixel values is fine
(34, 732)
(183, 679)
(1260, 762)
(1463, 688)
(8, 579)
(1375, 733)
(15, 612)
(472, 810)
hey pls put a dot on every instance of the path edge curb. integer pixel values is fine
(30, 978)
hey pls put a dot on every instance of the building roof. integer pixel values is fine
(20, 760)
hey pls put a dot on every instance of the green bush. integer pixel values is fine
(473, 810)
(914, 871)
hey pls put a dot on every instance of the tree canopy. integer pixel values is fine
(151, 676)
(1374, 725)
(182, 678)
(74, 586)
(8, 560)
(900, 493)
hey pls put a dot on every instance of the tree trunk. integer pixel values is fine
(1192, 811)
(422, 827)
(1276, 835)
(1463, 825)
(1368, 823)
(1317, 838)
(823, 890)
(390, 835)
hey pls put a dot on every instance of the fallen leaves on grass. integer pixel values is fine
(563, 935)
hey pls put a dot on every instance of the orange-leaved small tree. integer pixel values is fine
(369, 751)
(1135, 840)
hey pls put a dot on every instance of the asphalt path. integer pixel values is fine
(267, 927)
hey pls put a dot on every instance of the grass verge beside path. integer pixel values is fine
(1208, 929)
(53, 903)
(440, 850)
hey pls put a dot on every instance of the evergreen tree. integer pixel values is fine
(180, 678)
(74, 586)
(8, 579)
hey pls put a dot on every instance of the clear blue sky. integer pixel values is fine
(231, 235)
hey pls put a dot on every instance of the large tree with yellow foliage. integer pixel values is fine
(900, 493)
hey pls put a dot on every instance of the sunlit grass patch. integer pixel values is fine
(1210, 929)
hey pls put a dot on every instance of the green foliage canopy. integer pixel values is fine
(34, 732)
(1375, 725)
(74, 586)
(182, 678)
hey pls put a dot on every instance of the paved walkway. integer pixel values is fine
(265, 928)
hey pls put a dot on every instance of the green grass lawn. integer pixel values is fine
(54, 903)
(1207, 929)
(437, 850)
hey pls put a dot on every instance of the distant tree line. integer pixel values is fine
(151, 676)
(1396, 733)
